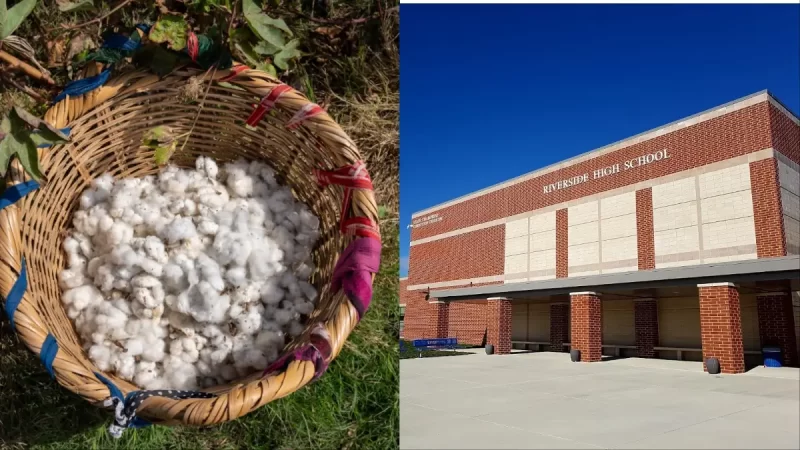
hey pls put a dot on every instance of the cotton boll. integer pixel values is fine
(228, 372)
(76, 262)
(146, 374)
(134, 346)
(181, 228)
(283, 316)
(249, 322)
(81, 297)
(174, 279)
(124, 255)
(125, 367)
(154, 248)
(308, 290)
(154, 351)
(207, 227)
(151, 267)
(296, 329)
(101, 356)
(271, 293)
(70, 279)
(236, 276)
(304, 308)
(145, 281)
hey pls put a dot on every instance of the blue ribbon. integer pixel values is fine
(48, 353)
(126, 406)
(16, 293)
(80, 87)
(122, 42)
(13, 194)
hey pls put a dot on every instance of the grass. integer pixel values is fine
(355, 405)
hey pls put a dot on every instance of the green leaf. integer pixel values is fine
(47, 132)
(6, 149)
(79, 5)
(382, 212)
(158, 135)
(288, 53)
(264, 26)
(241, 40)
(23, 146)
(163, 153)
(172, 29)
(265, 48)
(266, 67)
(11, 19)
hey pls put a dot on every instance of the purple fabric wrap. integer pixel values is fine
(318, 352)
(353, 272)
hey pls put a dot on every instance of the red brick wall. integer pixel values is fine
(721, 327)
(646, 327)
(768, 215)
(418, 310)
(776, 325)
(586, 316)
(498, 324)
(738, 133)
(468, 322)
(471, 255)
(562, 243)
(439, 320)
(645, 240)
(785, 134)
(559, 326)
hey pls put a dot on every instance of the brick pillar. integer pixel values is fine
(439, 319)
(562, 243)
(721, 326)
(498, 324)
(559, 315)
(645, 240)
(767, 212)
(776, 324)
(646, 326)
(586, 316)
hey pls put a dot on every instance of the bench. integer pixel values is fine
(680, 350)
(434, 344)
(538, 344)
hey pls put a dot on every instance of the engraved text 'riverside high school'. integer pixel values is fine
(610, 170)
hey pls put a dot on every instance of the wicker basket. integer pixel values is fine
(107, 124)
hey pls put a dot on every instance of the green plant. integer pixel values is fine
(11, 19)
(20, 135)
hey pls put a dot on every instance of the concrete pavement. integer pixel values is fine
(542, 400)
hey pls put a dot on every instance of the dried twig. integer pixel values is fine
(97, 19)
(36, 96)
(345, 21)
(17, 64)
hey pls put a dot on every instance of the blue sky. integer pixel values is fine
(490, 92)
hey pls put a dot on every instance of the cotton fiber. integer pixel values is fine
(189, 278)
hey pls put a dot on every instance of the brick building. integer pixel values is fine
(680, 242)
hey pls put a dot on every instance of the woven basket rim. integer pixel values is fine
(237, 398)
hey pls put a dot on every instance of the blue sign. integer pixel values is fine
(435, 343)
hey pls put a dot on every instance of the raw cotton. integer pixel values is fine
(190, 278)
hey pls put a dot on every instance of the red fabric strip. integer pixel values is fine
(266, 104)
(193, 46)
(235, 71)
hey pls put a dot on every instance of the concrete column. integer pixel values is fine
(776, 324)
(439, 319)
(646, 326)
(559, 326)
(721, 326)
(498, 324)
(586, 318)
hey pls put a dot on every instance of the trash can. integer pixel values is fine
(772, 357)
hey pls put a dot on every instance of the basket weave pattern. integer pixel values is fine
(107, 126)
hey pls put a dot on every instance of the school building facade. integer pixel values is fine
(682, 242)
